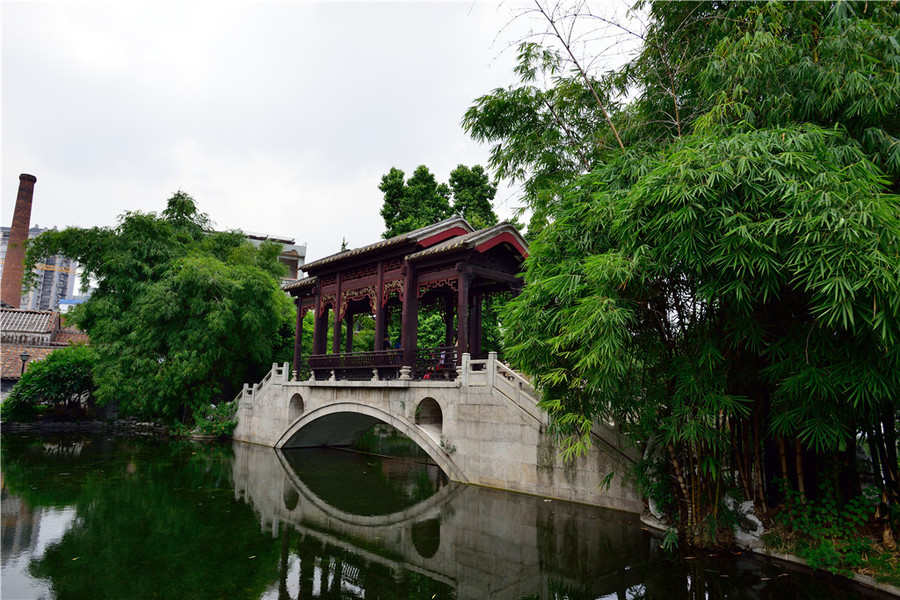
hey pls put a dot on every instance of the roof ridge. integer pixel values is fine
(415, 235)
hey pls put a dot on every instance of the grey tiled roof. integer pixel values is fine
(300, 284)
(27, 321)
(412, 236)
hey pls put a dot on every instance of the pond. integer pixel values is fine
(117, 518)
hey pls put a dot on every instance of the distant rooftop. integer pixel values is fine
(26, 321)
(253, 235)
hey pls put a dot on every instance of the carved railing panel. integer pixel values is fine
(431, 363)
(436, 363)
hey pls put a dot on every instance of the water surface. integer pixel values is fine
(101, 517)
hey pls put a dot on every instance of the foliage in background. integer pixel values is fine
(181, 316)
(473, 194)
(213, 420)
(719, 265)
(62, 382)
(413, 203)
(421, 201)
(825, 533)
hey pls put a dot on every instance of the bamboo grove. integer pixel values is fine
(716, 248)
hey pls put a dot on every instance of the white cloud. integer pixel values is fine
(277, 117)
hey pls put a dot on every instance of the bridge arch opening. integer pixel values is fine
(429, 415)
(296, 406)
(341, 423)
(426, 537)
(290, 498)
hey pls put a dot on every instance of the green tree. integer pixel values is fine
(726, 282)
(543, 137)
(413, 203)
(422, 201)
(64, 379)
(182, 316)
(473, 194)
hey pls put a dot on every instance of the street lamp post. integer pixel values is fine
(24, 356)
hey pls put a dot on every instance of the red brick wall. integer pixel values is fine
(13, 264)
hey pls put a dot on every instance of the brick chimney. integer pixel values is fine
(14, 263)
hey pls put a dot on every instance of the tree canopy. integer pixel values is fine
(413, 203)
(419, 201)
(473, 193)
(720, 270)
(181, 316)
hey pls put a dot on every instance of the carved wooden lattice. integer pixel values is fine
(360, 273)
(361, 293)
(392, 287)
(329, 280)
(451, 282)
(393, 265)
(327, 301)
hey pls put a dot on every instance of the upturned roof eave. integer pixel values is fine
(469, 241)
(412, 237)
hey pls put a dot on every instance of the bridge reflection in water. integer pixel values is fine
(463, 541)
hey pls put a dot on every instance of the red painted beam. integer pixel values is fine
(503, 237)
(444, 235)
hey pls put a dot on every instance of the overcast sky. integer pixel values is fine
(277, 117)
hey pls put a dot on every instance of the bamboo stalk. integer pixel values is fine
(679, 476)
(890, 464)
(782, 455)
(798, 462)
(760, 474)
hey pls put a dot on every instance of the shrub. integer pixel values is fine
(218, 420)
(62, 384)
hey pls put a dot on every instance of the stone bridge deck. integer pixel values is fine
(484, 428)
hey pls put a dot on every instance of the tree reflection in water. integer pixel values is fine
(154, 519)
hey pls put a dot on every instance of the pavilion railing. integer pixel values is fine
(431, 363)
(356, 365)
(436, 363)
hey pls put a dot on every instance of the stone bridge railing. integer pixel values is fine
(489, 373)
(492, 373)
(281, 373)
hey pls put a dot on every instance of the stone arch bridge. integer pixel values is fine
(482, 428)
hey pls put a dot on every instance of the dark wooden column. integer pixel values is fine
(320, 325)
(462, 308)
(448, 319)
(409, 328)
(336, 334)
(298, 334)
(476, 325)
(378, 302)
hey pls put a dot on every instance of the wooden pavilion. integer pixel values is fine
(447, 264)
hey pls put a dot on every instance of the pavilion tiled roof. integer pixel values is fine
(412, 236)
(470, 240)
(300, 284)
